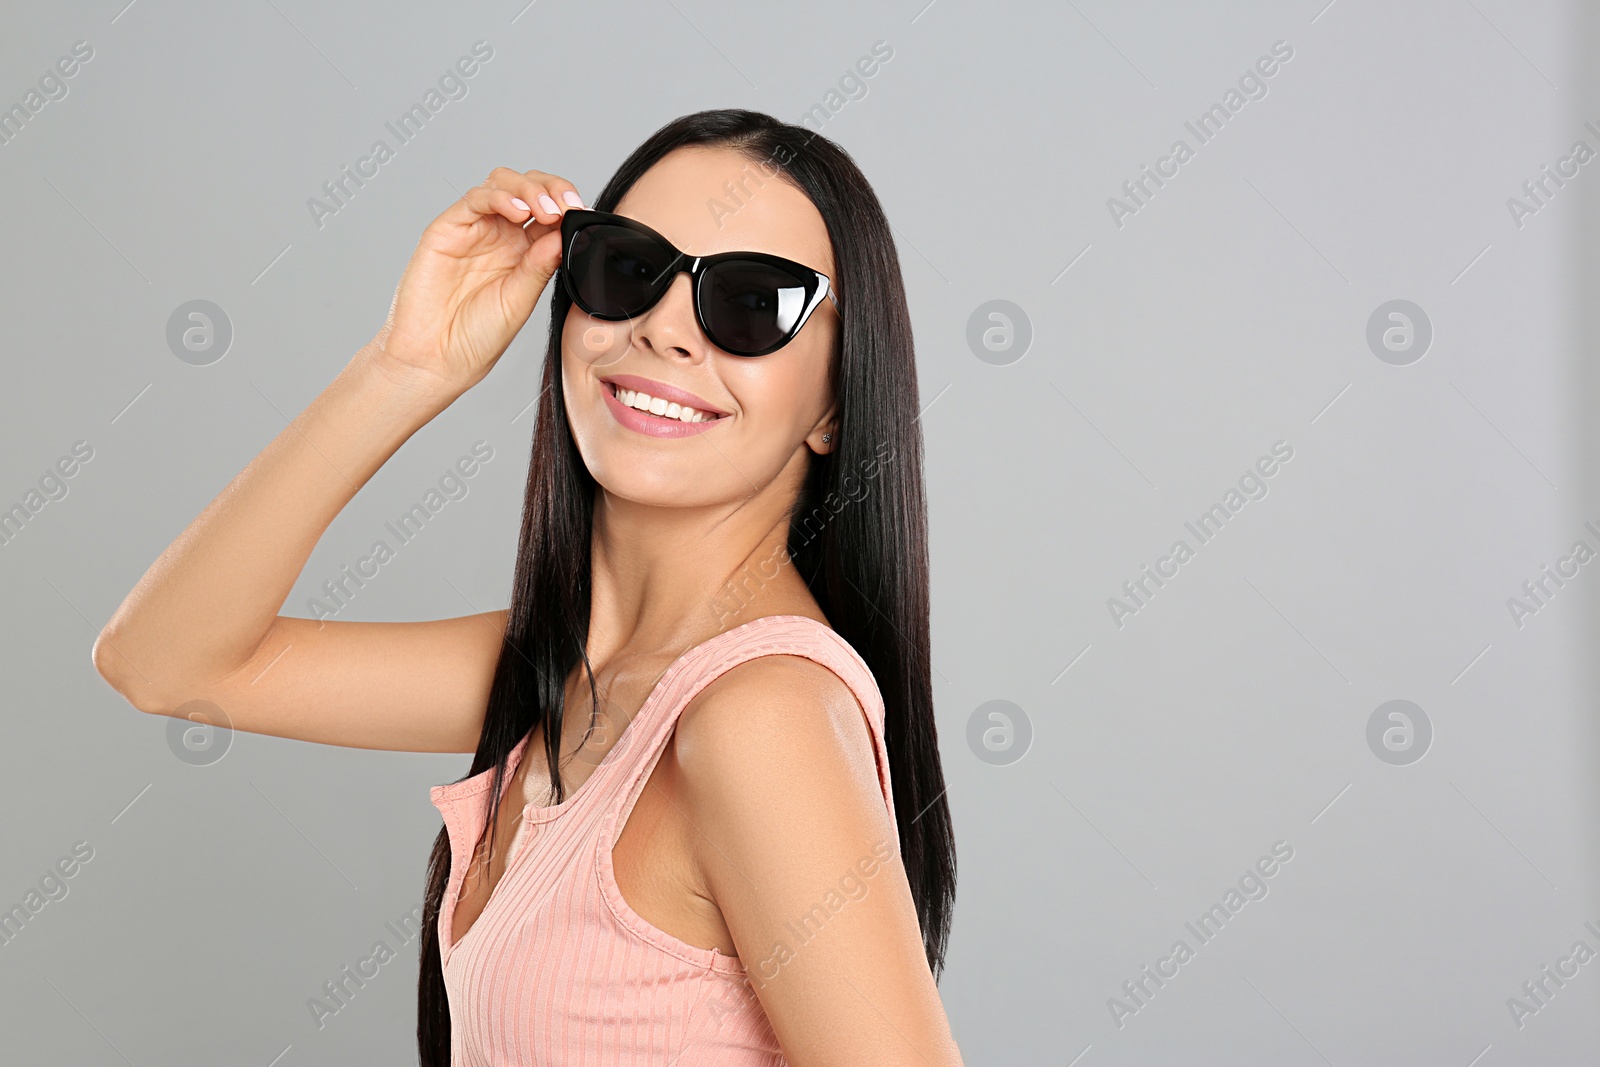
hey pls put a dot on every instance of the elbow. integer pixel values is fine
(120, 673)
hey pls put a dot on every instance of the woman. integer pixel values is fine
(736, 849)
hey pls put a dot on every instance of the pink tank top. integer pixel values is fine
(558, 969)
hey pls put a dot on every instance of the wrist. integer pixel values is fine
(405, 384)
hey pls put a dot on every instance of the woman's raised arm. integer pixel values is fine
(203, 622)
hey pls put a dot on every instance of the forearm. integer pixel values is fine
(210, 599)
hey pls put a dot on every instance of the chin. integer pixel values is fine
(661, 492)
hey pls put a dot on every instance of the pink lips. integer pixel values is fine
(671, 394)
(655, 425)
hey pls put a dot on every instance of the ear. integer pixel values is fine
(827, 425)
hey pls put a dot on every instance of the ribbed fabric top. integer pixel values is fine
(558, 969)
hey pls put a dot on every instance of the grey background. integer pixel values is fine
(1167, 355)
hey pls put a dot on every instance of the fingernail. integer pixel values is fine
(548, 204)
(520, 204)
(572, 198)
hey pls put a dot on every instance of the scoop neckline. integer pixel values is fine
(481, 781)
(544, 813)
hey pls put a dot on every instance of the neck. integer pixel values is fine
(667, 578)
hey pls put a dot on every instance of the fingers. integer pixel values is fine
(521, 198)
(546, 196)
(485, 200)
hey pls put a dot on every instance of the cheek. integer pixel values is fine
(591, 343)
(580, 363)
(791, 391)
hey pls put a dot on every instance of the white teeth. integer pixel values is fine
(657, 406)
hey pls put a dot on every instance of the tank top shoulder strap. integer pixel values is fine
(793, 635)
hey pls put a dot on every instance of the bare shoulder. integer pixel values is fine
(796, 846)
(783, 714)
(777, 771)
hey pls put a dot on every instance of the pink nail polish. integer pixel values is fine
(548, 204)
(572, 198)
(520, 204)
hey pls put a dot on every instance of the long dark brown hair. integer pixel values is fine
(864, 554)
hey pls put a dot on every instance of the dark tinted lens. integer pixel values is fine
(751, 306)
(617, 272)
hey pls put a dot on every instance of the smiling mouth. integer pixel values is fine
(665, 410)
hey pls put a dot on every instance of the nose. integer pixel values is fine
(669, 328)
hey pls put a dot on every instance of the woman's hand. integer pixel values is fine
(474, 280)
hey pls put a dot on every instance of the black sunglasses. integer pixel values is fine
(747, 303)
